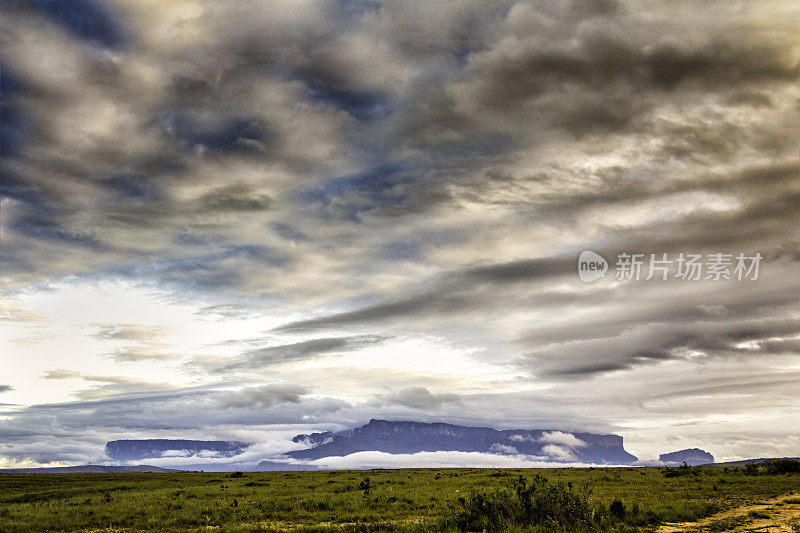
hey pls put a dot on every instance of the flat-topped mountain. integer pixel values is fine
(411, 437)
(91, 469)
(134, 450)
(692, 456)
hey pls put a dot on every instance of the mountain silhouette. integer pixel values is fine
(406, 437)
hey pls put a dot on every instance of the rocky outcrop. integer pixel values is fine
(412, 437)
(691, 456)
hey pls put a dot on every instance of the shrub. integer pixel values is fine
(617, 508)
(750, 469)
(781, 466)
(535, 503)
(365, 486)
(682, 470)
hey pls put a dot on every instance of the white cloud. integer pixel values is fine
(438, 460)
(559, 437)
(559, 453)
(503, 449)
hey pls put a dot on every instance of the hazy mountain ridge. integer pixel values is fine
(407, 437)
(133, 450)
(757, 460)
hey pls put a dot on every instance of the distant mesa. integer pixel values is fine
(89, 469)
(135, 450)
(395, 437)
(407, 437)
(692, 456)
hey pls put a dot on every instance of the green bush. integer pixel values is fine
(750, 469)
(678, 471)
(365, 486)
(781, 466)
(535, 503)
(617, 508)
(772, 467)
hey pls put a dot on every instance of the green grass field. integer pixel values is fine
(395, 500)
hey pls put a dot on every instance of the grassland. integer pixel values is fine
(396, 500)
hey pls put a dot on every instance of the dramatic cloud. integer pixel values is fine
(273, 355)
(263, 397)
(130, 332)
(420, 398)
(243, 216)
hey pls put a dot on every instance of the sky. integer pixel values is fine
(251, 219)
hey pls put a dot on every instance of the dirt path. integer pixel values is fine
(776, 515)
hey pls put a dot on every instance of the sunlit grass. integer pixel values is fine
(400, 500)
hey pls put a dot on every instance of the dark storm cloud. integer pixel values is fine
(420, 398)
(586, 75)
(226, 134)
(517, 271)
(704, 305)
(376, 313)
(601, 61)
(753, 385)
(468, 291)
(90, 20)
(186, 132)
(275, 355)
(235, 198)
(262, 397)
(440, 149)
(363, 105)
(13, 130)
(773, 180)
(650, 343)
(453, 292)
